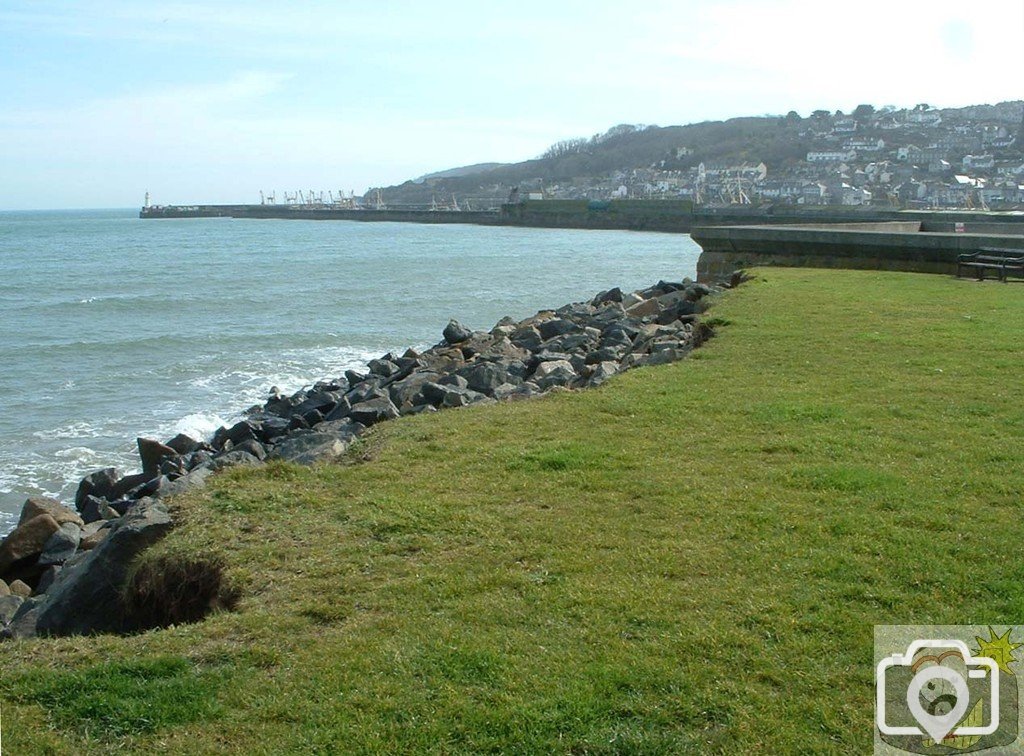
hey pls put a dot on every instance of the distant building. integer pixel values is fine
(844, 126)
(830, 156)
(864, 144)
(979, 161)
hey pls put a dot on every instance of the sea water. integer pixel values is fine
(112, 327)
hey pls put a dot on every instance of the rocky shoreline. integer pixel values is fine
(63, 570)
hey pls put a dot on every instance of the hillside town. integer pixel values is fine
(921, 157)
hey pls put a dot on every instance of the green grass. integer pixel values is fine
(689, 559)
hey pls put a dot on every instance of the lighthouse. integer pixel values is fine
(146, 203)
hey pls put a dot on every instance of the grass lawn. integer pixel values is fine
(689, 559)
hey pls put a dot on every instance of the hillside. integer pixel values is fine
(868, 149)
(689, 559)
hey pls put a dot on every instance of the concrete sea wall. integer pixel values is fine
(881, 246)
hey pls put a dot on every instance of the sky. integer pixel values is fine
(214, 101)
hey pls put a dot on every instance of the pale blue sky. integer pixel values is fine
(210, 102)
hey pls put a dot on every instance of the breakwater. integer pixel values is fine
(634, 215)
(65, 569)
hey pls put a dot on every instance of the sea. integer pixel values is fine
(112, 327)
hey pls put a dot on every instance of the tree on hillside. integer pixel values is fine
(864, 111)
(565, 147)
(793, 117)
(819, 115)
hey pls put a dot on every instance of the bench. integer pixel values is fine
(1003, 261)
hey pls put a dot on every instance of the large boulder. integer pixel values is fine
(100, 484)
(37, 505)
(406, 389)
(86, 598)
(236, 434)
(373, 411)
(183, 444)
(9, 606)
(152, 453)
(312, 447)
(61, 546)
(26, 540)
(456, 333)
(554, 373)
(556, 327)
(484, 376)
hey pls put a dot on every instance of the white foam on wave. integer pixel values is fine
(69, 431)
(198, 425)
(206, 403)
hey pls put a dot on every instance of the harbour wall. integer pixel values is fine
(638, 215)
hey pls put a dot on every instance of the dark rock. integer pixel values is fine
(311, 417)
(23, 623)
(354, 377)
(517, 370)
(320, 401)
(126, 485)
(484, 377)
(152, 453)
(528, 338)
(453, 379)
(198, 459)
(504, 391)
(100, 483)
(430, 393)
(419, 409)
(9, 606)
(62, 545)
(149, 487)
(556, 327)
(173, 468)
(406, 389)
(87, 598)
(196, 478)
(460, 397)
(94, 533)
(183, 444)
(554, 373)
(456, 333)
(46, 579)
(606, 354)
(383, 368)
(373, 411)
(92, 508)
(602, 372)
(298, 422)
(345, 428)
(340, 411)
(273, 426)
(234, 458)
(311, 447)
(367, 390)
(255, 448)
(612, 295)
(241, 431)
(570, 342)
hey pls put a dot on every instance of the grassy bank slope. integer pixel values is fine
(690, 558)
